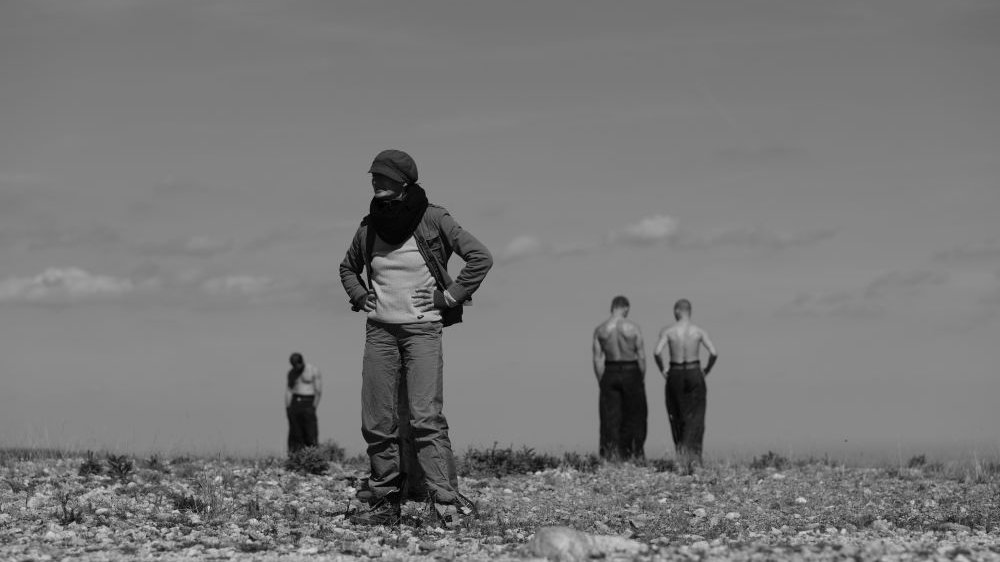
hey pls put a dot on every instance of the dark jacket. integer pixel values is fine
(438, 236)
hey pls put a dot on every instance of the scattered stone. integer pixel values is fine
(564, 544)
(953, 527)
(732, 515)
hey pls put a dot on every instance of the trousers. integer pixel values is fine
(623, 411)
(303, 430)
(413, 351)
(686, 395)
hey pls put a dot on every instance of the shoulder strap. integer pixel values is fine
(369, 248)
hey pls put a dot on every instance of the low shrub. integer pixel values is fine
(120, 466)
(156, 462)
(500, 462)
(769, 460)
(90, 466)
(331, 451)
(308, 460)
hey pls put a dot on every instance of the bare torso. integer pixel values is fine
(306, 383)
(619, 339)
(684, 341)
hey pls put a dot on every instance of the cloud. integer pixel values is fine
(899, 281)
(520, 248)
(189, 246)
(664, 228)
(42, 236)
(870, 299)
(985, 251)
(755, 237)
(526, 246)
(239, 285)
(63, 285)
(648, 231)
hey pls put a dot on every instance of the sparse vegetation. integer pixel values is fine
(331, 451)
(500, 462)
(769, 460)
(90, 466)
(120, 466)
(308, 460)
(770, 507)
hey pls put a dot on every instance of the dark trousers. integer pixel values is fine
(303, 430)
(623, 411)
(686, 397)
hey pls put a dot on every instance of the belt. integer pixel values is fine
(687, 365)
(621, 363)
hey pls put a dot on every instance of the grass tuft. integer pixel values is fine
(769, 460)
(120, 466)
(90, 466)
(308, 460)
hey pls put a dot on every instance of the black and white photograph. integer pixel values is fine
(564, 280)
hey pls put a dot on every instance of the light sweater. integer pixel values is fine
(397, 271)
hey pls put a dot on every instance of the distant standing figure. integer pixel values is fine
(620, 367)
(685, 383)
(302, 394)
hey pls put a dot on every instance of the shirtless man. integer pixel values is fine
(302, 393)
(685, 388)
(620, 367)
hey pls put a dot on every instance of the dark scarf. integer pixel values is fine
(293, 375)
(395, 221)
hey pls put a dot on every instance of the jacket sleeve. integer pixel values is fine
(478, 259)
(351, 269)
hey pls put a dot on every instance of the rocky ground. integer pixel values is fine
(101, 508)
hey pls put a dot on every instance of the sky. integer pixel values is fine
(180, 179)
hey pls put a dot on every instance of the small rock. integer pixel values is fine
(700, 546)
(800, 499)
(569, 545)
(700, 512)
(954, 527)
(778, 476)
(732, 515)
(560, 543)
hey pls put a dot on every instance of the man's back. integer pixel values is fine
(684, 341)
(620, 339)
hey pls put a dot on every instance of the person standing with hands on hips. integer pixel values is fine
(396, 271)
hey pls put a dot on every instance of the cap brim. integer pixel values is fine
(387, 171)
